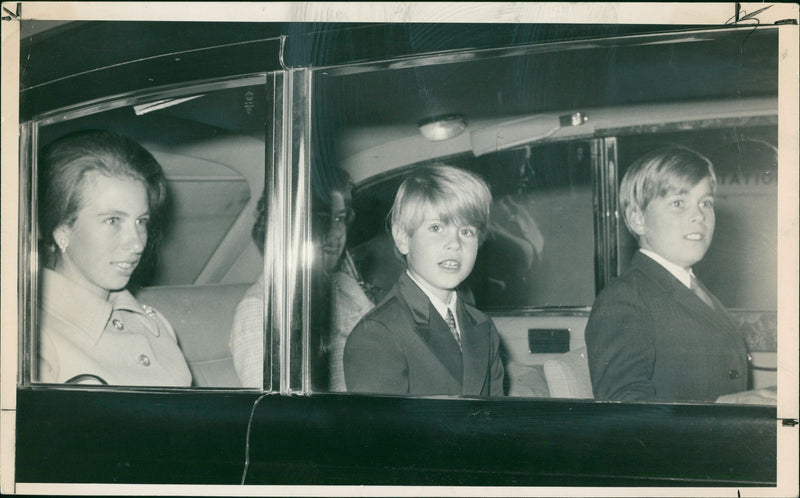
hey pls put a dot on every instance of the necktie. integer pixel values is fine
(700, 292)
(451, 322)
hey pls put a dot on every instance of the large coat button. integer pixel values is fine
(144, 360)
(118, 324)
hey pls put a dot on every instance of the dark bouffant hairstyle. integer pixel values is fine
(63, 166)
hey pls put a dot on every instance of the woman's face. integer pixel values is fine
(106, 241)
(334, 239)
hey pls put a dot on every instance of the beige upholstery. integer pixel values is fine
(523, 380)
(201, 316)
(525, 375)
(568, 375)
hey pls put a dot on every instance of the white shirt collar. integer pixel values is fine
(685, 276)
(440, 305)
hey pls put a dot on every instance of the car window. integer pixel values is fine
(276, 247)
(740, 267)
(210, 143)
(745, 164)
(541, 224)
(550, 154)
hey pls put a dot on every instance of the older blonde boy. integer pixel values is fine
(656, 333)
(422, 338)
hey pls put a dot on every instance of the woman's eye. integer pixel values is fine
(143, 221)
(468, 232)
(111, 220)
(707, 204)
(435, 228)
(677, 203)
(339, 219)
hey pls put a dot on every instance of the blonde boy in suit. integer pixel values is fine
(422, 338)
(655, 333)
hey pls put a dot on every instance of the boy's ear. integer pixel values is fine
(400, 239)
(635, 219)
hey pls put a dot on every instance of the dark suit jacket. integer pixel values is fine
(650, 338)
(403, 346)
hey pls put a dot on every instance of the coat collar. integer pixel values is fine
(469, 365)
(665, 280)
(421, 307)
(683, 275)
(670, 285)
(73, 304)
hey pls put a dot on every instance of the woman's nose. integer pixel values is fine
(136, 238)
(337, 230)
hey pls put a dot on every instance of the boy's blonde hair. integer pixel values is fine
(660, 172)
(462, 196)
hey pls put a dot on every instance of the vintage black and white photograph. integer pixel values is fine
(540, 249)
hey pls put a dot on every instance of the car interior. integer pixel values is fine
(211, 148)
(269, 110)
(553, 149)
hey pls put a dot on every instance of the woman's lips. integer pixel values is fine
(125, 266)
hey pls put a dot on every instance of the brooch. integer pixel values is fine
(149, 311)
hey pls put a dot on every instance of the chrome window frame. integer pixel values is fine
(29, 262)
(604, 146)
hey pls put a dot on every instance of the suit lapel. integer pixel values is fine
(431, 327)
(475, 338)
(684, 296)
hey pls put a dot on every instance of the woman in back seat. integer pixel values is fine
(339, 296)
(339, 282)
(101, 200)
(247, 331)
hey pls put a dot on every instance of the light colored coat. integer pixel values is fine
(117, 340)
(349, 304)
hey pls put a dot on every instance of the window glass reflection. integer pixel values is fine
(339, 294)
(740, 266)
(541, 223)
(181, 288)
(535, 272)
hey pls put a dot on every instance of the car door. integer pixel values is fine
(267, 108)
(212, 116)
(563, 170)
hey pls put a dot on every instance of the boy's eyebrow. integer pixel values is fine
(672, 189)
(685, 191)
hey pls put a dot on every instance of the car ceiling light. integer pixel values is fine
(440, 128)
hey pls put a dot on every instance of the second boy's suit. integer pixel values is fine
(650, 338)
(403, 346)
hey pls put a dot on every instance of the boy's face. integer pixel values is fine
(678, 226)
(438, 254)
